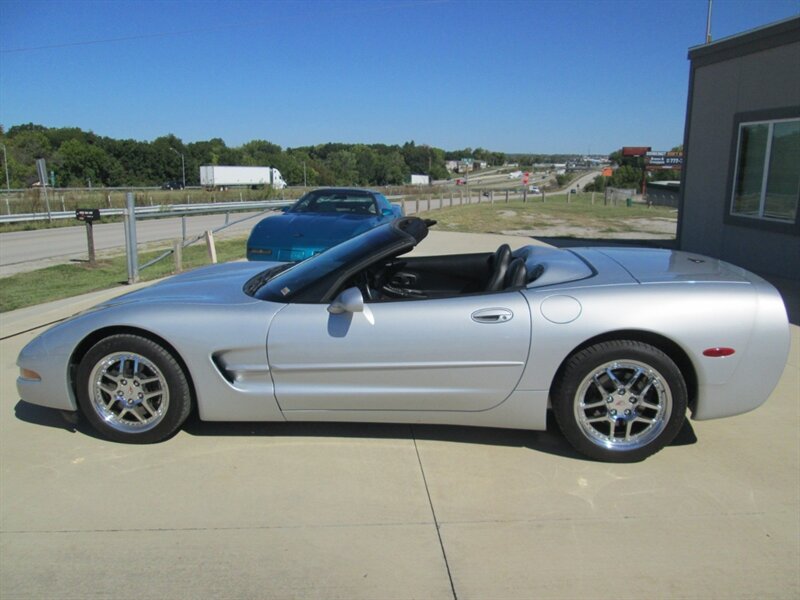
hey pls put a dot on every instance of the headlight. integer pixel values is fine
(29, 374)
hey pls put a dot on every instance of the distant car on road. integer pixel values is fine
(534, 189)
(320, 219)
(172, 185)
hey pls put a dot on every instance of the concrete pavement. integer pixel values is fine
(276, 510)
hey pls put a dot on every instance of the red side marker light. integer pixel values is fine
(717, 352)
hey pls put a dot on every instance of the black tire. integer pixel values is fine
(620, 401)
(132, 390)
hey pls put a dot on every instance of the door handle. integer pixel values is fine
(492, 315)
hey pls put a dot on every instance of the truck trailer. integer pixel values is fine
(216, 176)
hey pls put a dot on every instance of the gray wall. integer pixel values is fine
(721, 87)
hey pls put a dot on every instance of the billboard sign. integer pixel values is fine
(41, 170)
(663, 160)
(635, 150)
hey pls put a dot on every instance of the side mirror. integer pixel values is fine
(350, 300)
(387, 212)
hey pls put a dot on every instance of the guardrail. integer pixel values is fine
(164, 210)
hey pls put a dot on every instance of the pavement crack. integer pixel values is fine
(11, 335)
(433, 513)
(201, 529)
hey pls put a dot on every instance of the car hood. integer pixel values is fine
(649, 265)
(289, 229)
(215, 284)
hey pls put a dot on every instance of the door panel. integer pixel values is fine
(404, 355)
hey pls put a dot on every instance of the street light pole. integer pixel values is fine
(183, 166)
(5, 162)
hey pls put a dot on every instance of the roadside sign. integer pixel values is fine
(87, 214)
(663, 160)
(608, 172)
(635, 150)
(41, 170)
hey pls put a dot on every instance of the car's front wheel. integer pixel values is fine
(620, 401)
(132, 390)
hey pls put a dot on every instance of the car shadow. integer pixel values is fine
(50, 417)
(549, 441)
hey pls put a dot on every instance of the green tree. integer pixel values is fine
(78, 162)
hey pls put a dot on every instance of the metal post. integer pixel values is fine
(525, 194)
(125, 229)
(183, 227)
(227, 217)
(133, 258)
(183, 166)
(47, 203)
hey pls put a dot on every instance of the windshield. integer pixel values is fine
(328, 266)
(336, 202)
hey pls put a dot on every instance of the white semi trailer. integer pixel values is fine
(216, 176)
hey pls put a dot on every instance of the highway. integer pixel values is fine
(22, 251)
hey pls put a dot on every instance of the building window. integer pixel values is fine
(767, 178)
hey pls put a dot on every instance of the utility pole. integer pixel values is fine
(183, 165)
(305, 183)
(5, 162)
(708, 24)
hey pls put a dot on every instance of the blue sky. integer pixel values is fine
(510, 76)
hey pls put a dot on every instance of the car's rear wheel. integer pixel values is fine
(132, 390)
(620, 401)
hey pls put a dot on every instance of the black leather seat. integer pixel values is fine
(517, 274)
(499, 266)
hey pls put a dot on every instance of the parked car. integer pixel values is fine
(320, 219)
(618, 342)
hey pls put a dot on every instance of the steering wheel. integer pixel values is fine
(362, 283)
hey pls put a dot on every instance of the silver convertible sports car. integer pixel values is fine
(619, 343)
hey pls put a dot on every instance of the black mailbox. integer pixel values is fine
(87, 214)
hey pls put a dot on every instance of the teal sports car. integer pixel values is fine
(320, 219)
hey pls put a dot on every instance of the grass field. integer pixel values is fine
(554, 214)
(64, 281)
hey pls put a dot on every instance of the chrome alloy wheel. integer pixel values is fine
(128, 392)
(623, 405)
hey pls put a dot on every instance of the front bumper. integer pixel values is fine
(52, 389)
